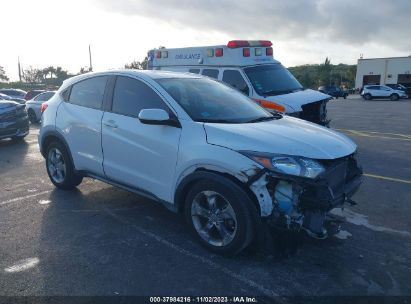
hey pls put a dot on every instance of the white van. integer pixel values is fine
(248, 66)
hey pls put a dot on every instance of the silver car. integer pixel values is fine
(33, 106)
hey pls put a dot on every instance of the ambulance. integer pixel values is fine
(250, 67)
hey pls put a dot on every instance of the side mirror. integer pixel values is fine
(157, 117)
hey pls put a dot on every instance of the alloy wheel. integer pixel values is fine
(213, 218)
(56, 165)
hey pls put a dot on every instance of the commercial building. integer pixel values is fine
(391, 70)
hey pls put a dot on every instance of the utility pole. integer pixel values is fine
(89, 53)
(18, 59)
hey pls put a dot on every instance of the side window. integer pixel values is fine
(210, 73)
(236, 80)
(89, 93)
(194, 71)
(66, 94)
(131, 96)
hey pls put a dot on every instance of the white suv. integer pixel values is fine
(380, 91)
(200, 148)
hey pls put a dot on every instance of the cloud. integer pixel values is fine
(355, 22)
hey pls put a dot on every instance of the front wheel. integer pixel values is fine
(60, 167)
(221, 214)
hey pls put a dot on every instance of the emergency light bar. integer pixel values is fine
(247, 43)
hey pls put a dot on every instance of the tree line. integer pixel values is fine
(316, 75)
(310, 75)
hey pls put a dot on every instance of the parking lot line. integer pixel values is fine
(404, 137)
(252, 284)
(393, 179)
(23, 197)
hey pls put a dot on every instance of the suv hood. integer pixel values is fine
(295, 101)
(287, 135)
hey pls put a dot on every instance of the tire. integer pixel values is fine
(345, 97)
(32, 116)
(394, 97)
(367, 96)
(60, 167)
(234, 215)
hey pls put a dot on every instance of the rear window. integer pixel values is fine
(44, 96)
(213, 73)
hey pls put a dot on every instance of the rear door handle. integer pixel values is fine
(110, 123)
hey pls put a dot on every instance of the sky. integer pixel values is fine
(58, 32)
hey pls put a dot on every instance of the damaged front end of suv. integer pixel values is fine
(296, 193)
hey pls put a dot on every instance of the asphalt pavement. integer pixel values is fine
(103, 241)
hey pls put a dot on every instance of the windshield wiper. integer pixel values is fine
(265, 118)
(216, 121)
(274, 92)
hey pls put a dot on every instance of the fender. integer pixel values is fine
(202, 173)
(50, 134)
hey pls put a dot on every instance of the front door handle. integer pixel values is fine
(110, 123)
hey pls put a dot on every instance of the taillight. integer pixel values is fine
(269, 51)
(43, 107)
(246, 52)
(270, 105)
(218, 52)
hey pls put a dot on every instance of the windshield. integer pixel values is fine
(206, 100)
(272, 79)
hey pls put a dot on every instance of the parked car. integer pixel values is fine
(33, 93)
(201, 148)
(14, 122)
(7, 97)
(400, 87)
(14, 93)
(333, 91)
(34, 105)
(380, 91)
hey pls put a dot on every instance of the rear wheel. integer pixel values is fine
(60, 167)
(221, 214)
(32, 116)
(394, 97)
(367, 96)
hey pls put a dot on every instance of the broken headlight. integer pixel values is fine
(286, 164)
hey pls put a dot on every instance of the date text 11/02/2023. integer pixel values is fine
(239, 299)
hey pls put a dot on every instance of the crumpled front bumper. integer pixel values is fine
(307, 205)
